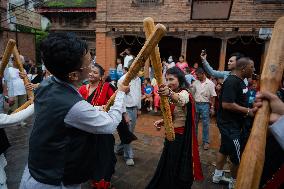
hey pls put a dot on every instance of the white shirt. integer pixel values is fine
(16, 118)
(277, 130)
(119, 68)
(133, 98)
(171, 65)
(15, 84)
(202, 92)
(127, 58)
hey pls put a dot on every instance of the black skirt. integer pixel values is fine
(105, 160)
(175, 166)
(4, 142)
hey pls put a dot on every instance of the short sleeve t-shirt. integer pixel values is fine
(127, 58)
(234, 90)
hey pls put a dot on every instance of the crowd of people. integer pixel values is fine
(72, 135)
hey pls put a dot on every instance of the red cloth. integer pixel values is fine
(197, 170)
(196, 164)
(192, 72)
(102, 93)
(101, 185)
(156, 97)
(277, 181)
(179, 130)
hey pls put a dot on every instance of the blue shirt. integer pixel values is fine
(218, 74)
(251, 97)
(189, 78)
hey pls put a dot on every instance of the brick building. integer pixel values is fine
(25, 41)
(220, 26)
(72, 16)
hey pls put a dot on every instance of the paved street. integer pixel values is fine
(147, 153)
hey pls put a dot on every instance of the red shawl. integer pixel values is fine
(102, 93)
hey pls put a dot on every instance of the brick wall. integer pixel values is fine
(105, 51)
(251, 10)
(3, 13)
(171, 11)
(179, 11)
(26, 43)
(122, 15)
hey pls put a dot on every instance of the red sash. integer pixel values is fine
(102, 94)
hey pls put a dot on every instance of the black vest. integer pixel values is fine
(58, 153)
(1, 86)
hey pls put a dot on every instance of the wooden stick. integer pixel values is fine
(158, 70)
(252, 160)
(21, 68)
(146, 69)
(24, 106)
(150, 44)
(6, 56)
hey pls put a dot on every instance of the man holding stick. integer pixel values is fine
(233, 110)
(60, 146)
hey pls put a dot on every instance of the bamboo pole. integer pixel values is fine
(158, 70)
(146, 69)
(24, 106)
(252, 160)
(7, 54)
(139, 62)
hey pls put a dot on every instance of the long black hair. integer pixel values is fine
(178, 73)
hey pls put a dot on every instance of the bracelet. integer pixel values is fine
(170, 93)
(247, 113)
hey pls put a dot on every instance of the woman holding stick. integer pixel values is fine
(179, 164)
(97, 93)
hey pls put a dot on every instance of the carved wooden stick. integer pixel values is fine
(21, 68)
(252, 160)
(158, 70)
(7, 53)
(150, 44)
